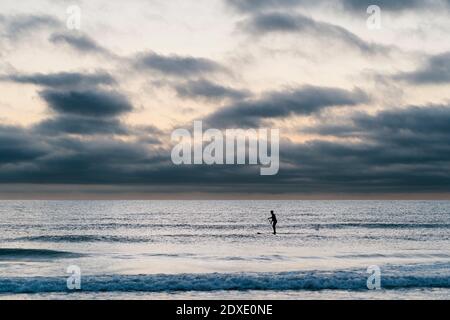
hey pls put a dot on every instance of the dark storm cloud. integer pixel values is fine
(84, 112)
(14, 26)
(431, 120)
(17, 146)
(426, 122)
(305, 100)
(251, 6)
(94, 103)
(83, 161)
(260, 5)
(397, 5)
(111, 161)
(79, 105)
(321, 166)
(398, 150)
(406, 150)
(148, 134)
(175, 65)
(266, 23)
(204, 89)
(62, 79)
(435, 70)
(413, 120)
(81, 125)
(80, 42)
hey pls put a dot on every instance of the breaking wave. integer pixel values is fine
(32, 254)
(438, 277)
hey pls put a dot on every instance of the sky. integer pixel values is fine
(88, 112)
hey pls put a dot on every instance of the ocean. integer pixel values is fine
(224, 249)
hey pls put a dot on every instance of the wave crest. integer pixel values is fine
(336, 280)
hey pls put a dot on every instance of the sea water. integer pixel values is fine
(224, 249)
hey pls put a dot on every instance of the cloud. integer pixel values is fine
(391, 151)
(81, 43)
(414, 123)
(85, 139)
(74, 160)
(305, 100)
(78, 104)
(252, 6)
(15, 26)
(86, 112)
(204, 89)
(436, 70)
(337, 167)
(398, 5)
(74, 124)
(62, 79)
(276, 22)
(107, 160)
(178, 66)
(410, 122)
(404, 150)
(427, 120)
(93, 103)
(17, 145)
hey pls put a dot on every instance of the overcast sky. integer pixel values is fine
(362, 112)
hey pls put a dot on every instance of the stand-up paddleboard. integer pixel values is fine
(270, 223)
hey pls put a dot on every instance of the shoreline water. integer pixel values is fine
(211, 249)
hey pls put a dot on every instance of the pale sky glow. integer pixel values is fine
(311, 68)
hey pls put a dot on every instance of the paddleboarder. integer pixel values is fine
(273, 221)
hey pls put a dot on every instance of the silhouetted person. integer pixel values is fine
(273, 220)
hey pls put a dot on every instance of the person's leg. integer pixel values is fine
(275, 228)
